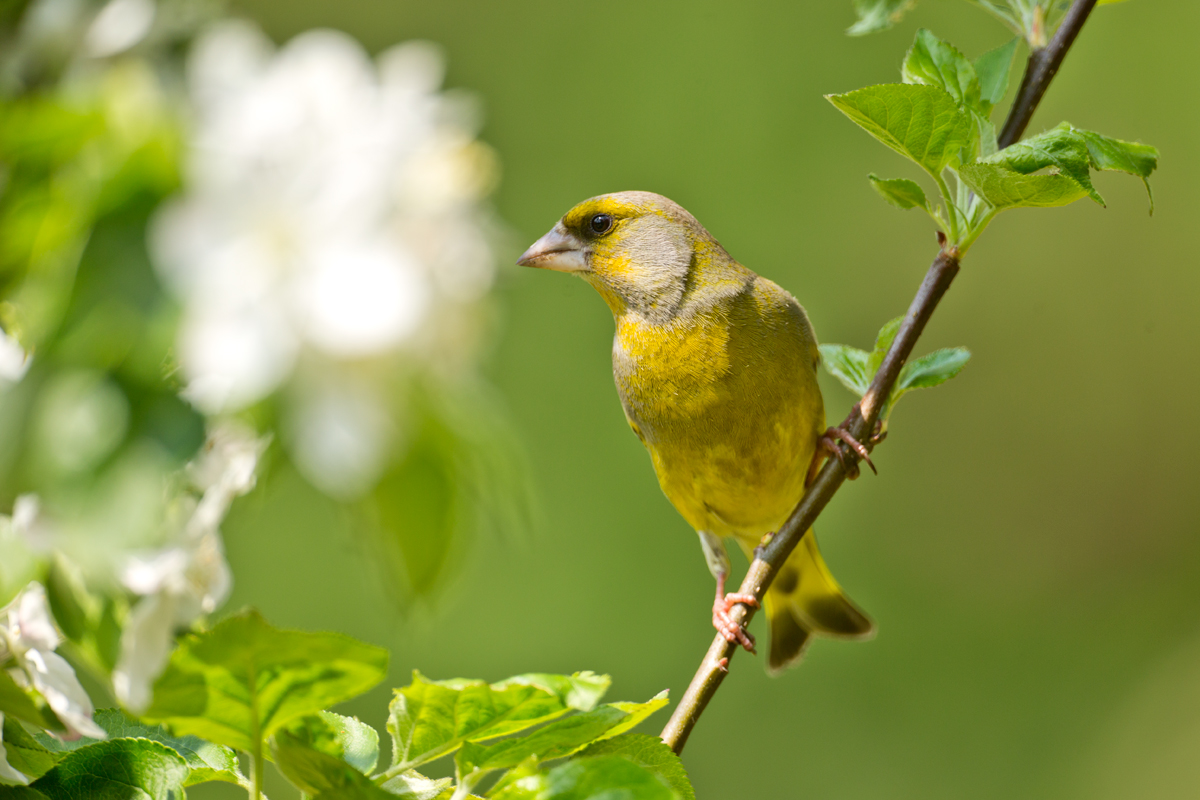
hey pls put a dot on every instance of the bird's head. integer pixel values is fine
(638, 249)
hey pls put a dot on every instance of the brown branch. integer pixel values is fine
(1041, 68)
(769, 558)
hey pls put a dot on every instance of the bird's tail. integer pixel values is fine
(805, 601)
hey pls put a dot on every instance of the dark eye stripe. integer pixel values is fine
(600, 224)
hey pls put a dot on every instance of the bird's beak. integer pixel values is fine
(558, 250)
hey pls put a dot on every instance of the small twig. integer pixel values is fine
(861, 422)
(1040, 70)
(771, 557)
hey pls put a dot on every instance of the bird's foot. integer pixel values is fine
(827, 446)
(724, 623)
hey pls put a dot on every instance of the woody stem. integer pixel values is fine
(1042, 67)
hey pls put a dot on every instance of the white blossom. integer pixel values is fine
(29, 637)
(189, 577)
(118, 26)
(332, 234)
(14, 361)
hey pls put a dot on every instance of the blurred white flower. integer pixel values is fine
(189, 577)
(28, 637)
(342, 436)
(333, 225)
(119, 26)
(14, 361)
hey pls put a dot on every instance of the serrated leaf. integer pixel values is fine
(359, 791)
(921, 123)
(24, 753)
(926, 372)
(648, 752)
(558, 739)
(933, 369)
(430, 719)
(324, 745)
(359, 742)
(604, 777)
(206, 761)
(412, 785)
(934, 62)
(848, 365)
(883, 343)
(1134, 158)
(528, 774)
(117, 769)
(310, 770)
(878, 15)
(993, 68)
(1003, 188)
(241, 681)
(1061, 148)
(900, 192)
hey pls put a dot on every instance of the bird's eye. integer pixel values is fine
(600, 224)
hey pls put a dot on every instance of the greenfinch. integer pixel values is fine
(716, 368)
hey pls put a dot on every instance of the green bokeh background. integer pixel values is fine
(1029, 548)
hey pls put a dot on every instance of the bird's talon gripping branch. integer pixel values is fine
(829, 442)
(725, 625)
(723, 665)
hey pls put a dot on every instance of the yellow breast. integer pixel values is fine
(726, 401)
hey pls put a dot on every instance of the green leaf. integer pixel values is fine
(1134, 158)
(604, 778)
(24, 753)
(900, 192)
(243, 680)
(527, 774)
(1060, 148)
(318, 751)
(15, 702)
(430, 719)
(1006, 179)
(558, 739)
(934, 62)
(117, 769)
(933, 369)
(883, 343)
(921, 123)
(848, 365)
(206, 761)
(308, 769)
(926, 372)
(358, 741)
(878, 15)
(1003, 188)
(412, 785)
(651, 753)
(358, 791)
(992, 69)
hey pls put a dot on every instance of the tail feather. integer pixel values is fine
(805, 601)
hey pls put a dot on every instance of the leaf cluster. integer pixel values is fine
(247, 686)
(939, 118)
(856, 368)
(1034, 20)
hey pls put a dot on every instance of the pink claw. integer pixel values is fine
(722, 605)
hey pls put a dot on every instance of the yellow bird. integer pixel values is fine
(716, 368)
